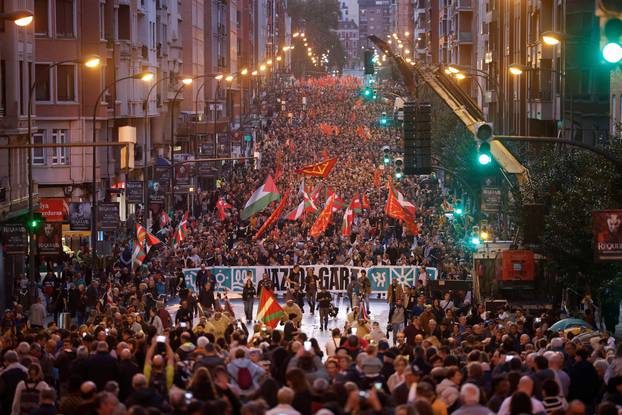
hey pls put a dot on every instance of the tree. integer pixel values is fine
(319, 20)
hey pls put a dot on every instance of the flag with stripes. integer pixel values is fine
(269, 311)
(181, 232)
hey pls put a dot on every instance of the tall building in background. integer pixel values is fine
(375, 18)
(348, 34)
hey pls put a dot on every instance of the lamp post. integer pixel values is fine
(145, 167)
(21, 18)
(184, 82)
(91, 61)
(143, 76)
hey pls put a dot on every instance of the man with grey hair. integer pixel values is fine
(525, 385)
(101, 366)
(469, 395)
(556, 363)
(285, 397)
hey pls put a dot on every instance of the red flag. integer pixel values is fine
(221, 205)
(377, 177)
(273, 217)
(364, 202)
(321, 169)
(395, 210)
(323, 220)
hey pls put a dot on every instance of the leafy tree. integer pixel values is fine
(319, 20)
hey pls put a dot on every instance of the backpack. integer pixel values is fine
(244, 380)
(29, 399)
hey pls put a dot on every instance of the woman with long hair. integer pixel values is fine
(201, 385)
(397, 377)
(297, 380)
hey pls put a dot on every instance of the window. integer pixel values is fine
(124, 22)
(66, 82)
(64, 18)
(102, 21)
(38, 154)
(60, 155)
(42, 23)
(42, 78)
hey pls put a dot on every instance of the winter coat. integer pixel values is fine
(255, 370)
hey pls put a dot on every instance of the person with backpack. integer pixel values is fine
(27, 392)
(245, 373)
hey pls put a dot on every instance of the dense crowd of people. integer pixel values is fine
(124, 352)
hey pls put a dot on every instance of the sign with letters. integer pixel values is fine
(335, 277)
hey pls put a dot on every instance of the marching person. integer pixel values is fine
(354, 291)
(265, 282)
(324, 300)
(311, 287)
(394, 292)
(365, 289)
(248, 296)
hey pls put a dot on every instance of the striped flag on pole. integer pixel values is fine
(269, 311)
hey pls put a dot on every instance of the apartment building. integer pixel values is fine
(348, 34)
(375, 18)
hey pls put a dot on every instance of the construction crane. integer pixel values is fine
(459, 102)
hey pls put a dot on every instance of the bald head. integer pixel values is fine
(139, 381)
(576, 408)
(126, 354)
(88, 387)
(285, 395)
(525, 384)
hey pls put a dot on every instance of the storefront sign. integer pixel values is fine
(50, 239)
(607, 227)
(134, 192)
(80, 215)
(108, 216)
(14, 239)
(53, 210)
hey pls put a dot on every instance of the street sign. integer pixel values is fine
(134, 191)
(14, 239)
(108, 216)
(491, 199)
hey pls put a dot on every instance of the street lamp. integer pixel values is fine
(551, 38)
(517, 69)
(21, 18)
(459, 76)
(90, 61)
(145, 76)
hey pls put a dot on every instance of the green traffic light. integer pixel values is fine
(475, 240)
(612, 52)
(367, 92)
(484, 159)
(383, 121)
(398, 175)
(386, 160)
(458, 211)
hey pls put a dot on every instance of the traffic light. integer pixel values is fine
(399, 168)
(458, 210)
(475, 241)
(485, 233)
(34, 223)
(384, 121)
(612, 42)
(367, 92)
(386, 155)
(483, 135)
(369, 62)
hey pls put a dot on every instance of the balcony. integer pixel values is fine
(463, 5)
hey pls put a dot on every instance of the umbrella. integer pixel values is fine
(569, 322)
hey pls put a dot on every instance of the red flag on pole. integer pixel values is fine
(322, 221)
(321, 169)
(273, 217)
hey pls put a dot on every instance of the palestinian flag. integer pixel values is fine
(348, 219)
(356, 204)
(260, 199)
(221, 205)
(165, 219)
(321, 169)
(273, 217)
(181, 232)
(322, 221)
(269, 311)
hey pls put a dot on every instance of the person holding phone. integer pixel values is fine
(158, 371)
